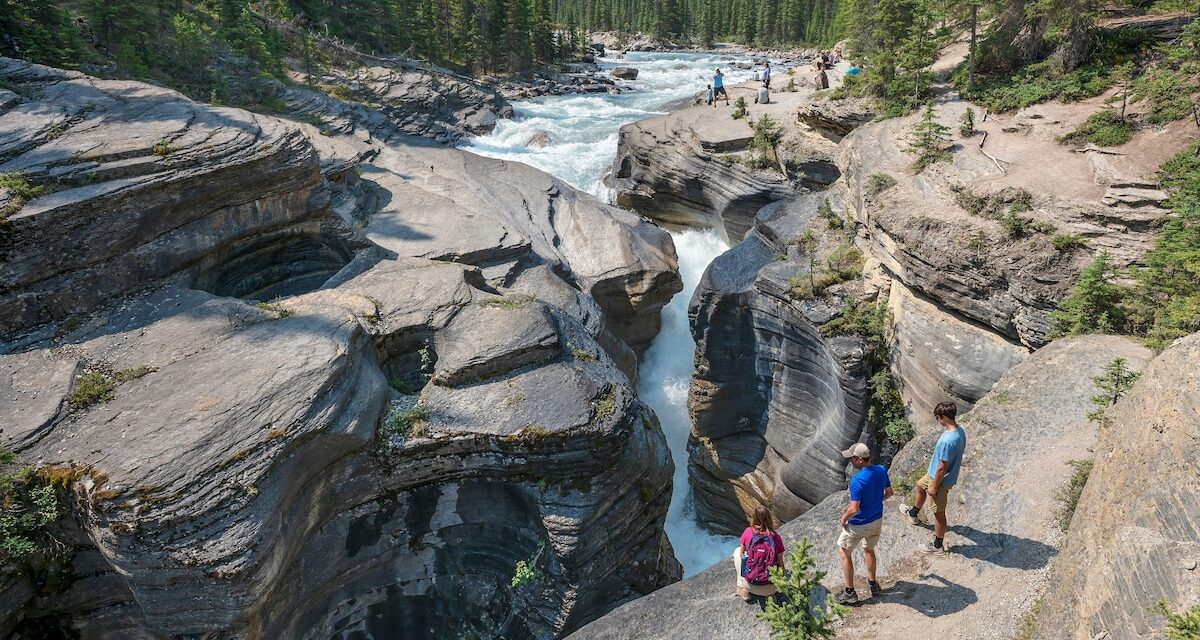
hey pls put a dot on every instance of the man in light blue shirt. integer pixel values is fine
(941, 475)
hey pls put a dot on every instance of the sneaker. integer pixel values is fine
(874, 588)
(744, 594)
(846, 597)
(911, 518)
(930, 550)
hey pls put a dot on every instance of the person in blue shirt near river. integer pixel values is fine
(941, 476)
(862, 520)
(718, 87)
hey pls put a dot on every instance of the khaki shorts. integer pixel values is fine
(867, 533)
(743, 586)
(941, 499)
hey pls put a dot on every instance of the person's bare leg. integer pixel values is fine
(869, 554)
(847, 567)
(919, 501)
(939, 527)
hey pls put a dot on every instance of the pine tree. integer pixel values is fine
(929, 138)
(1094, 304)
(793, 615)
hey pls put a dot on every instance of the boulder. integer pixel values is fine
(539, 140)
(1134, 541)
(835, 118)
(625, 73)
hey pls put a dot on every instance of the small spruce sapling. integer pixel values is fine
(792, 614)
(739, 108)
(1115, 382)
(966, 127)
(929, 138)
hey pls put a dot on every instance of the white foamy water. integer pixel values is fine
(583, 129)
(665, 374)
(583, 143)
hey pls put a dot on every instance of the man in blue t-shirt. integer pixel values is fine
(863, 519)
(941, 475)
(718, 87)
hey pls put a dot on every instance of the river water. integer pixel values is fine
(583, 143)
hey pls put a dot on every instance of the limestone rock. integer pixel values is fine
(150, 185)
(327, 462)
(773, 401)
(1132, 541)
(835, 118)
(539, 140)
(625, 73)
(1003, 512)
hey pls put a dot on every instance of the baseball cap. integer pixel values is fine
(857, 450)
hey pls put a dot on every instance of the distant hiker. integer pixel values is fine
(821, 80)
(766, 75)
(862, 521)
(708, 97)
(718, 86)
(761, 548)
(941, 475)
(763, 96)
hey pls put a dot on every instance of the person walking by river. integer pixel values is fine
(766, 75)
(941, 475)
(862, 521)
(718, 87)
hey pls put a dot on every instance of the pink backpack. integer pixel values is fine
(758, 559)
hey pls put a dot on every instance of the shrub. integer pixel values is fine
(162, 148)
(408, 424)
(739, 108)
(1069, 494)
(90, 388)
(831, 219)
(879, 182)
(978, 242)
(19, 192)
(898, 431)
(1014, 226)
(792, 614)
(1066, 242)
(1105, 128)
(1037, 83)
(30, 507)
(280, 312)
(607, 405)
(845, 261)
(398, 383)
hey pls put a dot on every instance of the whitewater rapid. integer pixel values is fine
(583, 129)
(583, 143)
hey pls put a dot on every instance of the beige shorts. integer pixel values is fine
(868, 534)
(943, 495)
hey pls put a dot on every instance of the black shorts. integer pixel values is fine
(719, 91)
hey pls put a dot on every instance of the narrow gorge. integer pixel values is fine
(484, 351)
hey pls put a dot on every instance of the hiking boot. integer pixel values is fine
(874, 589)
(930, 550)
(846, 597)
(905, 509)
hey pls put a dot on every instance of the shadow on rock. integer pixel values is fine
(1002, 549)
(931, 600)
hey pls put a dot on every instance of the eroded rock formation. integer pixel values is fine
(1133, 541)
(773, 401)
(302, 442)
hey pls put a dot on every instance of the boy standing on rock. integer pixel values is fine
(718, 87)
(863, 520)
(941, 475)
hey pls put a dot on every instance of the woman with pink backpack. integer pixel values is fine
(761, 548)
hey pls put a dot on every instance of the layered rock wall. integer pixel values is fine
(773, 401)
(1135, 536)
